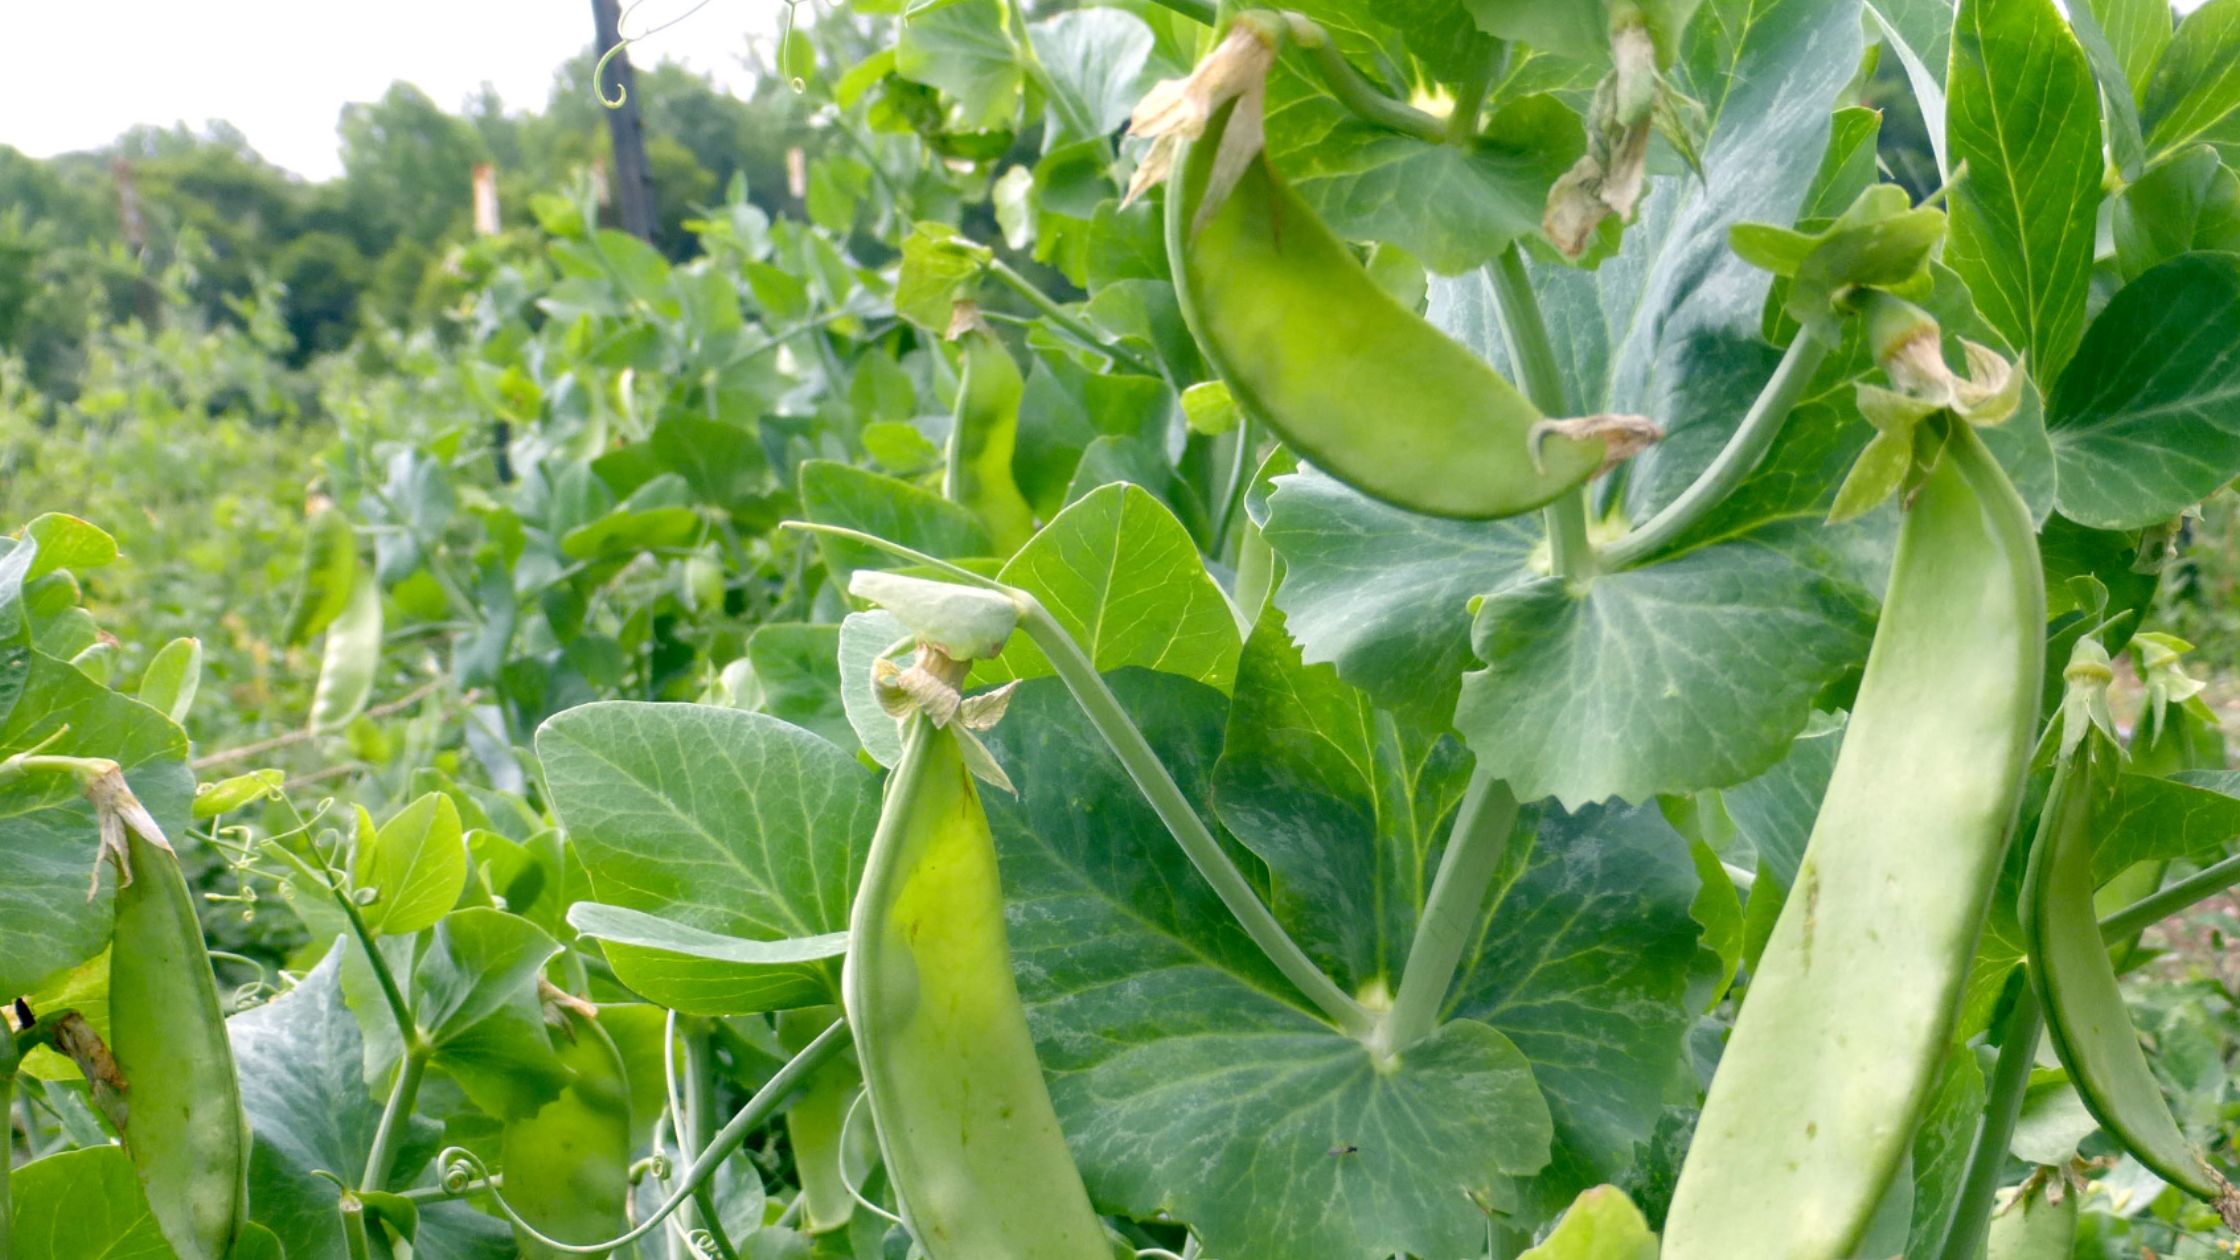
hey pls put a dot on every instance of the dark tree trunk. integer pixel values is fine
(633, 178)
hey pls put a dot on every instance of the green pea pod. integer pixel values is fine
(1349, 378)
(2084, 1009)
(330, 558)
(2037, 1225)
(1835, 1052)
(981, 441)
(185, 1129)
(567, 1165)
(816, 1125)
(971, 1141)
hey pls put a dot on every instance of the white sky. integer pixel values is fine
(81, 71)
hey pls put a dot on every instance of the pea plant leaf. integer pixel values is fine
(474, 997)
(1100, 62)
(836, 494)
(81, 1203)
(2194, 95)
(1190, 1079)
(2146, 421)
(965, 49)
(2154, 819)
(1122, 575)
(416, 863)
(2025, 118)
(52, 841)
(725, 824)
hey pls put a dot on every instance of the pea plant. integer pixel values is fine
(1372, 630)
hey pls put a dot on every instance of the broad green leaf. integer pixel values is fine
(1383, 593)
(1120, 573)
(351, 657)
(416, 864)
(1347, 806)
(474, 997)
(1602, 1224)
(65, 542)
(627, 531)
(703, 973)
(323, 576)
(2137, 32)
(1940, 1150)
(2119, 105)
(836, 494)
(15, 631)
(567, 1165)
(1099, 63)
(1689, 674)
(864, 637)
(51, 842)
(229, 794)
(172, 677)
(2025, 118)
(1774, 812)
(937, 263)
(309, 1110)
(2146, 421)
(724, 822)
(2191, 201)
(1919, 32)
(2154, 819)
(1453, 206)
(964, 48)
(2194, 96)
(83, 1205)
(797, 667)
(1187, 1077)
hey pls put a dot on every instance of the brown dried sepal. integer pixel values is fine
(1622, 436)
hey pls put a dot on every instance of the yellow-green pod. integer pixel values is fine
(185, 1129)
(1349, 378)
(983, 437)
(567, 1165)
(816, 1125)
(2086, 1018)
(2040, 1224)
(971, 1142)
(1823, 1080)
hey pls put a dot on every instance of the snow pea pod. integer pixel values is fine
(1816, 1098)
(984, 434)
(1349, 378)
(567, 1164)
(971, 1141)
(185, 1129)
(2076, 983)
(816, 1124)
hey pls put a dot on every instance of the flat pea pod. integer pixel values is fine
(1365, 388)
(2086, 1018)
(567, 1165)
(982, 438)
(971, 1141)
(185, 1130)
(816, 1125)
(1817, 1096)
(2041, 1223)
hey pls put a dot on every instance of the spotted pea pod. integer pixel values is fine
(1364, 387)
(1835, 1052)
(185, 1129)
(2086, 1019)
(970, 1139)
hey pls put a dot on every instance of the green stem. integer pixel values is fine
(2010, 1080)
(1182, 821)
(354, 1240)
(1353, 89)
(391, 993)
(1470, 96)
(1570, 552)
(1203, 11)
(1072, 324)
(2148, 911)
(1232, 496)
(444, 1194)
(395, 1116)
(7, 1141)
(699, 1101)
(1735, 461)
(776, 1090)
(1452, 909)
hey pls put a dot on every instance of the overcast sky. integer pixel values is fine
(81, 71)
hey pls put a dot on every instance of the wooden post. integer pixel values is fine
(633, 177)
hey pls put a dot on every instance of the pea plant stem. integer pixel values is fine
(2150, 910)
(7, 1148)
(1181, 819)
(2010, 1079)
(1525, 333)
(1736, 460)
(1071, 323)
(1451, 910)
(396, 1114)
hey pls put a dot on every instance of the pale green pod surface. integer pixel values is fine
(816, 1124)
(1835, 1052)
(185, 1129)
(567, 1165)
(2085, 1014)
(972, 1144)
(1362, 386)
(2035, 1227)
(983, 438)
